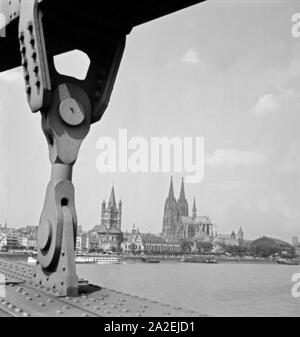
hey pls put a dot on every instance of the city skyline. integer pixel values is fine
(129, 227)
(241, 93)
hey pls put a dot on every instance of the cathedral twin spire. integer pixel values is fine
(181, 203)
(171, 191)
(175, 209)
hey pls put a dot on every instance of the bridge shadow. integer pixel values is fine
(88, 289)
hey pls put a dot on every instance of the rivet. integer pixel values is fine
(84, 315)
(30, 27)
(41, 304)
(59, 312)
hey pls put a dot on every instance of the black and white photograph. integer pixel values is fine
(149, 161)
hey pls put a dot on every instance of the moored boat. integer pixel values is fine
(289, 262)
(109, 259)
(98, 259)
(148, 260)
(199, 259)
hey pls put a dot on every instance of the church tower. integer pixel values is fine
(170, 218)
(111, 215)
(194, 211)
(241, 237)
(182, 204)
(120, 214)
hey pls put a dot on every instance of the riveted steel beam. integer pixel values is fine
(25, 299)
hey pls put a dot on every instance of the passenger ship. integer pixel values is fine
(98, 259)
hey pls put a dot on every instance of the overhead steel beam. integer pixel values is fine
(102, 17)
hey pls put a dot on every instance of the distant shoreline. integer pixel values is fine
(161, 258)
(218, 259)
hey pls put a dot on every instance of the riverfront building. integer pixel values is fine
(266, 244)
(137, 242)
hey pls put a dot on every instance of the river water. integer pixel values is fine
(213, 289)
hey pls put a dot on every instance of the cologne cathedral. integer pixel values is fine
(177, 224)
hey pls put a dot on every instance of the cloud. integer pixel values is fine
(271, 103)
(291, 162)
(191, 56)
(266, 104)
(235, 157)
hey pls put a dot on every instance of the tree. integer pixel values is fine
(204, 247)
(186, 246)
(236, 250)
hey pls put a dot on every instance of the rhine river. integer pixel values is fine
(213, 289)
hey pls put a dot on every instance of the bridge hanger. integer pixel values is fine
(68, 107)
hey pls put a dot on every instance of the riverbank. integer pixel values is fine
(164, 258)
(219, 259)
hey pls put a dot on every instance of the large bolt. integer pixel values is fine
(71, 112)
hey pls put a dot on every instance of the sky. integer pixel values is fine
(227, 71)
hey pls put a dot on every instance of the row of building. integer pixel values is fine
(23, 238)
(178, 226)
(108, 235)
